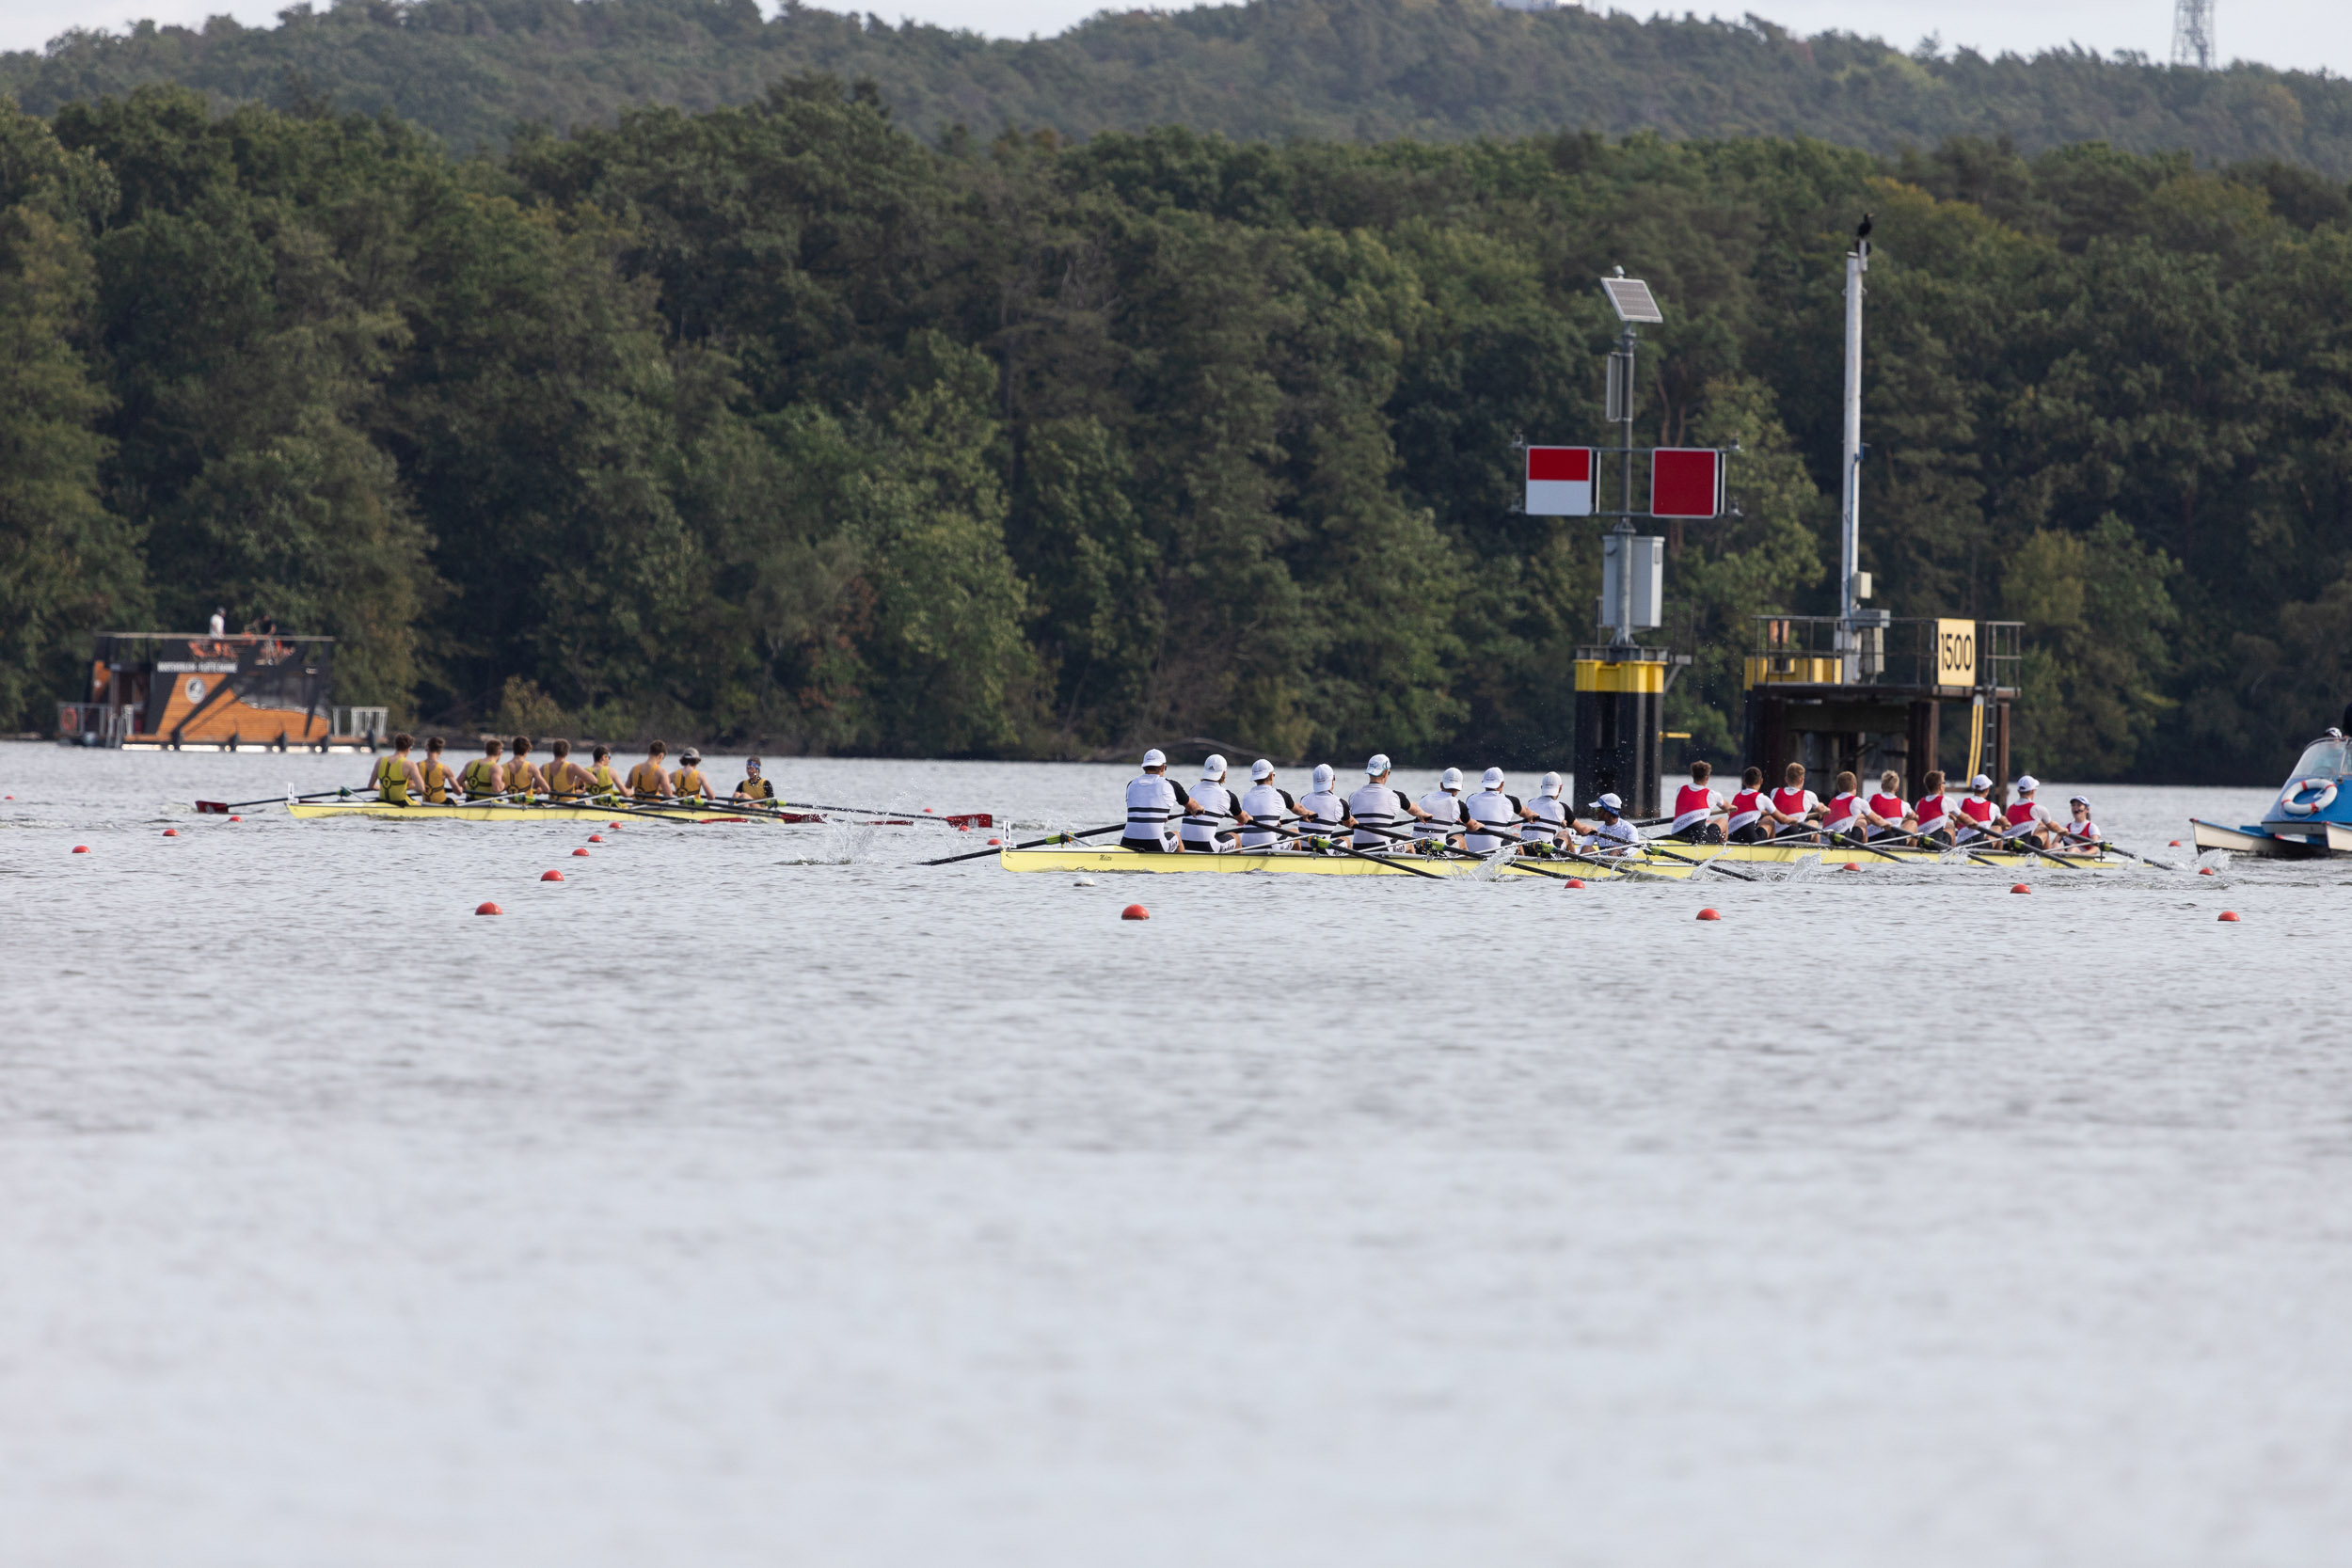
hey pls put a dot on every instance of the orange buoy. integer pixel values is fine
(1135, 911)
(1851, 865)
(2204, 871)
(1575, 881)
(995, 841)
(617, 825)
(595, 838)
(581, 854)
(1709, 914)
(927, 811)
(171, 832)
(2019, 887)
(236, 819)
(487, 909)
(550, 876)
(2174, 844)
(2229, 914)
(81, 848)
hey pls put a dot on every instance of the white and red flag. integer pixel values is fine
(1559, 481)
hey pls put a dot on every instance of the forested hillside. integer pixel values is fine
(1331, 70)
(776, 423)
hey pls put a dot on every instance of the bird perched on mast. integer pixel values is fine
(1862, 230)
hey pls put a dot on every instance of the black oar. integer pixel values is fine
(2018, 844)
(1050, 838)
(222, 808)
(1712, 862)
(1620, 867)
(1350, 849)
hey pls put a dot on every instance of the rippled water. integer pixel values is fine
(756, 1195)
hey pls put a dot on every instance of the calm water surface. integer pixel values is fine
(757, 1195)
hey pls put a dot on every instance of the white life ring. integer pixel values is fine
(2325, 799)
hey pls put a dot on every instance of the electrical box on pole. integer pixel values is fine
(1644, 596)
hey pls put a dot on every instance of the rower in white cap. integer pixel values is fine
(1444, 806)
(1976, 813)
(1612, 834)
(1263, 805)
(1376, 806)
(1321, 811)
(1547, 813)
(1210, 803)
(2080, 836)
(2027, 822)
(1152, 808)
(1494, 811)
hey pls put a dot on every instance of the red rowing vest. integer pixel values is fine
(1746, 807)
(1790, 802)
(1930, 809)
(1977, 810)
(2021, 812)
(1888, 806)
(1691, 798)
(1841, 810)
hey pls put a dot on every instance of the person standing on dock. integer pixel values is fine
(433, 776)
(1263, 804)
(395, 778)
(523, 778)
(485, 776)
(754, 786)
(1151, 807)
(1320, 810)
(1376, 810)
(647, 781)
(1697, 805)
(1545, 815)
(1443, 806)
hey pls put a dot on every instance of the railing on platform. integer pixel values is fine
(1920, 654)
(93, 723)
(368, 723)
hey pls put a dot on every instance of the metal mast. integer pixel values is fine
(1849, 530)
(2192, 33)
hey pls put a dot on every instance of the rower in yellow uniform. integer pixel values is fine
(522, 779)
(435, 775)
(601, 778)
(486, 775)
(687, 782)
(395, 778)
(754, 787)
(567, 781)
(646, 780)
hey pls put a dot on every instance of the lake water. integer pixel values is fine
(757, 1197)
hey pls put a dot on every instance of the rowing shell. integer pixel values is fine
(1073, 858)
(507, 811)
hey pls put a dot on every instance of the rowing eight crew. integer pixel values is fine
(1375, 819)
(1794, 812)
(400, 780)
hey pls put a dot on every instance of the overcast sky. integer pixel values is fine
(2303, 34)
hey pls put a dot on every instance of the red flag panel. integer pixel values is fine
(1574, 464)
(1686, 482)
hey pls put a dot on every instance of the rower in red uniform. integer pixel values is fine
(1696, 808)
(2027, 822)
(1931, 817)
(1745, 823)
(2080, 836)
(1886, 814)
(1975, 819)
(1792, 806)
(1842, 817)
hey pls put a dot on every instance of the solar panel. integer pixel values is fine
(1632, 299)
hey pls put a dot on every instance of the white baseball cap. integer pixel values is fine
(1492, 778)
(1261, 769)
(1609, 802)
(1552, 784)
(1450, 779)
(1212, 767)
(2027, 783)
(2083, 800)
(1156, 758)
(1324, 775)
(1979, 782)
(1377, 766)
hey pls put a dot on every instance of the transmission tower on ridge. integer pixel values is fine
(2192, 33)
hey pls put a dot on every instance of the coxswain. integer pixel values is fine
(1491, 810)
(1376, 811)
(688, 782)
(1842, 817)
(1263, 804)
(2026, 821)
(523, 778)
(1444, 807)
(601, 778)
(1321, 811)
(1792, 807)
(486, 775)
(1886, 814)
(567, 781)
(755, 785)
(2080, 836)
(1744, 824)
(395, 778)
(648, 781)
(1975, 816)
(1151, 807)
(1547, 820)
(435, 775)
(1210, 803)
(1697, 805)
(1611, 834)
(1931, 816)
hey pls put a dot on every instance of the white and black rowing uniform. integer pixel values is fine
(1444, 807)
(1152, 808)
(1211, 806)
(1552, 820)
(1491, 808)
(1614, 838)
(1376, 805)
(1322, 812)
(1266, 804)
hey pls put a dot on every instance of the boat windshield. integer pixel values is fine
(2322, 759)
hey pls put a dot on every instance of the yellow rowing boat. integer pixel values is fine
(511, 811)
(1652, 863)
